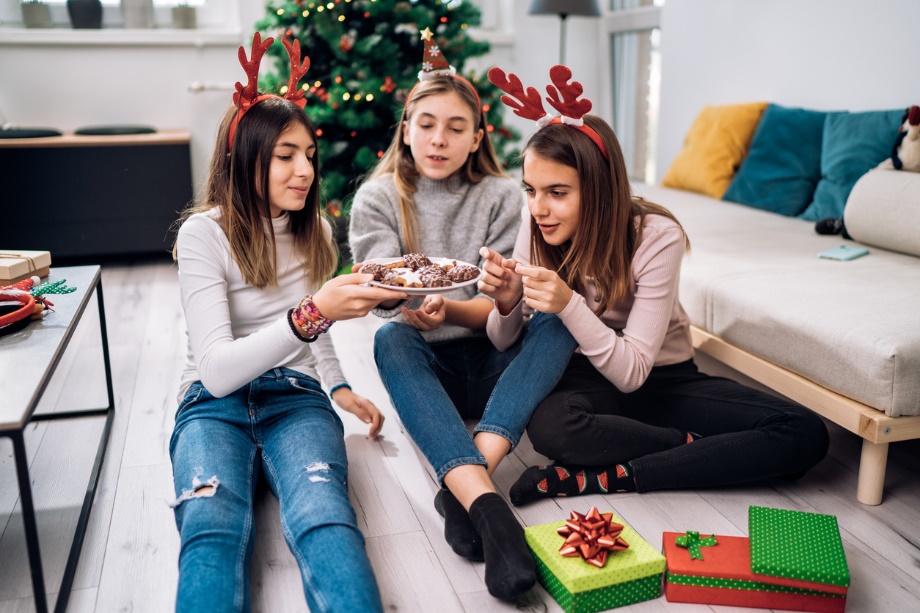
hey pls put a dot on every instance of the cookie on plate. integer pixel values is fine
(462, 272)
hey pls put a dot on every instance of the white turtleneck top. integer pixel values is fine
(237, 332)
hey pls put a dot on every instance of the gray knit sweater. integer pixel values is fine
(455, 219)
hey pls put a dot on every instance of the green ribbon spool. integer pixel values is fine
(692, 541)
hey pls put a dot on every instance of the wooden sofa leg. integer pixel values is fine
(871, 480)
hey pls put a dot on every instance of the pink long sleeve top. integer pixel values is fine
(647, 327)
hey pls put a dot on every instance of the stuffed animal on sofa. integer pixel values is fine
(905, 154)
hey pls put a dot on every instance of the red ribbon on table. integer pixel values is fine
(592, 536)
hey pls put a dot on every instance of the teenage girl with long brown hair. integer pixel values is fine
(631, 411)
(251, 403)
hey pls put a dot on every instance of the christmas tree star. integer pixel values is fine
(427, 34)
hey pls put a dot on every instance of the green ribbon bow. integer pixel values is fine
(52, 287)
(693, 542)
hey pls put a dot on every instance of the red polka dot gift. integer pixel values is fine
(792, 561)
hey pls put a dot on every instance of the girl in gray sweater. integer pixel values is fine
(440, 190)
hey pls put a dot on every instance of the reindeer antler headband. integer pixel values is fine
(563, 96)
(247, 97)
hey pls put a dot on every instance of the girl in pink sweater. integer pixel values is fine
(631, 412)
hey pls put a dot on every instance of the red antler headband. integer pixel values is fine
(563, 97)
(247, 97)
(434, 64)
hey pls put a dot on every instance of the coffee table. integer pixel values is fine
(28, 359)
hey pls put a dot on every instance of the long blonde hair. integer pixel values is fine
(238, 184)
(608, 234)
(399, 162)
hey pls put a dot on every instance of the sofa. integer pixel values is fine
(840, 337)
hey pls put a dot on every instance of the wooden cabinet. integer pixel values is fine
(86, 197)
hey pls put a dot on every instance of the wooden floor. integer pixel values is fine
(130, 554)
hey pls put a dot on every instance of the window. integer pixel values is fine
(633, 67)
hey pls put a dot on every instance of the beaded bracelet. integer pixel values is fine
(309, 319)
(299, 336)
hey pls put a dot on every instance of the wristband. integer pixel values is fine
(309, 319)
(337, 387)
(300, 337)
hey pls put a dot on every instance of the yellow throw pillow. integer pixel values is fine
(714, 147)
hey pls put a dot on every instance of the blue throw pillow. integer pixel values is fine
(783, 165)
(853, 144)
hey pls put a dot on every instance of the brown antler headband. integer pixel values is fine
(563, 96)
(247, 97)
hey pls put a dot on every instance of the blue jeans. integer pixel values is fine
(283, 425)
(433, 387)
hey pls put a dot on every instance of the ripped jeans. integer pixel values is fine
(281, 425)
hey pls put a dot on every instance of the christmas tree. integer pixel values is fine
(365, 56)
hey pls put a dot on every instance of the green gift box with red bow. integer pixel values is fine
(793, 560)
(587, 573)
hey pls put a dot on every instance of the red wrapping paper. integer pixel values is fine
(731, 559)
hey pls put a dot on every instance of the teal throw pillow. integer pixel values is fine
(783, 164)
(853, 144)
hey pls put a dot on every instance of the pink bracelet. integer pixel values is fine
(309, 319)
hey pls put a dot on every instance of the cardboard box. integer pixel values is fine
(724, 577)
(16, 265)
(629, 576)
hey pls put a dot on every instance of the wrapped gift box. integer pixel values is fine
(629, 576)
(723, 577)
(797, 545)
(17, 265)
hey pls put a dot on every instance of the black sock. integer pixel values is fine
(556, 480)
(459, 531)
(510, 569)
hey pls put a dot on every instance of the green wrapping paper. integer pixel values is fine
(797, 545)
(629, 576)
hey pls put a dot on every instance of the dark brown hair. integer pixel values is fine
(610, 217)
(238, 185)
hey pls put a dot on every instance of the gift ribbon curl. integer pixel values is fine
(592, 536)
(692, 541)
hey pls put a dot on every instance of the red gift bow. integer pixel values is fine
(591, 536)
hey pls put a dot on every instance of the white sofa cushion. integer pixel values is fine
(883, 209)
(753, 278)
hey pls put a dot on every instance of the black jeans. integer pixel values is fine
(747, 434)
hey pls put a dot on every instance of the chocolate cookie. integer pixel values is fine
(391, 278)
(434, 276)
(462, 272)
(372, 268)
(416, 260)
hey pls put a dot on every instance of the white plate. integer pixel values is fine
(424, 291)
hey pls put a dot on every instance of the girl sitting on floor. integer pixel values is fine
(631, 411)
(250, 399)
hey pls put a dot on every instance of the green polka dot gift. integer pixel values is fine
(595, 562)
(797, 545)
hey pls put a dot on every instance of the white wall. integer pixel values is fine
(822, 54)
(535, 49)
(851, 55)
